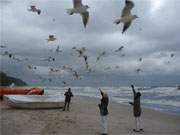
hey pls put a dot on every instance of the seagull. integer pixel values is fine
(172, 55)
(86, 63)
(100, 55)
(2, 46)
(10, 55)
(74, 48)
(6, 53)
(107, 68)
(49, 59)
(123, 55)
(17, 59)
(85, 58)
(54, 70)
(49, 79)
(68, 68)
(119, 49)
(81, 9)
(140, 59)
(34, 9)
(81, 51)
(126, 16)
(64, 83)
(31, 67)
(51, 38)
(138, 70)
(58, 50)
(75, 74)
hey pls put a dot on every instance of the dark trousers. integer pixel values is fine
(66, 104)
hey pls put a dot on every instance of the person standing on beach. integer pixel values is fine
(104, 112)
(68, 94)
(137, 110)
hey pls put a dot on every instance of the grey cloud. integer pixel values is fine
(152, 34)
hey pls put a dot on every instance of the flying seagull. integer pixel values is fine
(126, 16)
(119, 49)
(34, 9)
(31, 67)
(81, 9)
(138, 70)
(49, 59)
(51, 38)
(86, 62)
(107, 68)
(68, 68)
(58, 50)
(64, 83)
(172, 55)
(123, 55)
(2, 46)
(74, 47)
(100, 55)
(76, 75)
(7, 53)
(54, 70)
(140, 59)
(80, 51)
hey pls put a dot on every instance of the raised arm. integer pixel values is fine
(101, 92)
(131, 103)
(134, 92)
(72, 94)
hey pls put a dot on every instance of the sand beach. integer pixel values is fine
(84, 119)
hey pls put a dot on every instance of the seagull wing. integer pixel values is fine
(38, 11)
(85, 18)
(33, 7)
(77, 3)
(126, 26)
(98, 58)
(127, 9)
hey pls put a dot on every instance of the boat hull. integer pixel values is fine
(34, 101)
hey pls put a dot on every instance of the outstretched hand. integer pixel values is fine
(131, 103)
(101, 91)
(132, 86)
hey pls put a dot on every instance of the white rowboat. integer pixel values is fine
(34, 101)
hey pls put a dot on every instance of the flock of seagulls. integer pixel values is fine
(79, 8)
(126, 16)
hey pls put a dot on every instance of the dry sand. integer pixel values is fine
(83, 119)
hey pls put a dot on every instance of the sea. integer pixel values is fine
(164, 99)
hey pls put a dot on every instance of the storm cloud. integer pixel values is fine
(154, 36)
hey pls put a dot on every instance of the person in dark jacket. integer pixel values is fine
(137, 109)
(104, 111)
(68, 96)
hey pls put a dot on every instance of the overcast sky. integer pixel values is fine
(154, 36)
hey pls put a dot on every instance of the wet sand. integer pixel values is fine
(83, 119)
